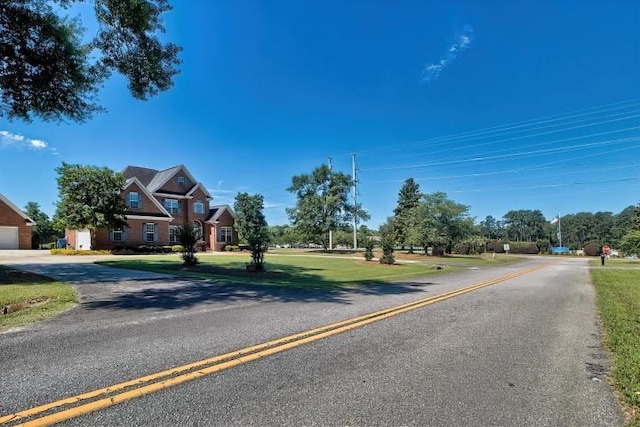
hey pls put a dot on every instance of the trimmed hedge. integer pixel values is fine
(497, 246)
(77, 252)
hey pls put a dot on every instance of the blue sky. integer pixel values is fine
(503, 105)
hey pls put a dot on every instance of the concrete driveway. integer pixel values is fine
(114, 296)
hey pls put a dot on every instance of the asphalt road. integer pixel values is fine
(522, 352)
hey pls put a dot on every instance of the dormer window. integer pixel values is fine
(182, 180)
(133, 200)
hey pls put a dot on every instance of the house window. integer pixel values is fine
(117, 235)
(181, 180)
(226, 234)
(198, 207)
(172, 206)
(173, 234)
(150, 232)
(134, 200)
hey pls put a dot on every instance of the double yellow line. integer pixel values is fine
(55, 412)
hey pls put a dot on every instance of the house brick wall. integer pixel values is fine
(10, 218)
(146, 203)
(225, 220)
(172, 185)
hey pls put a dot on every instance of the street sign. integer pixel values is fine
(606, 249)
(506, 247)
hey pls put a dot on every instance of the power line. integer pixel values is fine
(467, 147)
(526, 123)
(525, 154)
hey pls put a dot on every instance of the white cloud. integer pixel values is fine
(14, 140)
(38, 143)
(463, 41)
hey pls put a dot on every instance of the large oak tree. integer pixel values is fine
(50, 69)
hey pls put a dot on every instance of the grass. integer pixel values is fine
(618, 298)
(472, 260)
(34, 297)
(288, 271)
(615, 262)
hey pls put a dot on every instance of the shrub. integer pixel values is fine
(388, 245)
(496, 246)
(462, 249)
(78, 252)
(592, 249)
(529, 248)
(176, 248)
(543, 245)
(230, 248)
(368, 249)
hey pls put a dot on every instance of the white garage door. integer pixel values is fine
(8, 237)
(83, 240)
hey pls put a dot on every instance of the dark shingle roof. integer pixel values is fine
(161, 177)
(144, 175)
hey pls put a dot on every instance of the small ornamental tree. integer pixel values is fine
(368, 249)
(188, 236)
(388, 244)
(252, 227)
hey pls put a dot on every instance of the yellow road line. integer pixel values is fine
(211, 365)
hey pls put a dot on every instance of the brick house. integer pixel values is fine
(158, 202)
(15, 226)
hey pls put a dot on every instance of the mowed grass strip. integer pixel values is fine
(615, 262)
(29, 297)
(618, 298)
(287, 271)
(466, 260)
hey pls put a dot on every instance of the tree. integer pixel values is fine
(388, 246)
(90, 198)
(188, 236)
(404, 213)
(489, 227)
(322, 203)
(441, 222)
(524, 225)
(251, 227)
(49, 71)
(42, 230)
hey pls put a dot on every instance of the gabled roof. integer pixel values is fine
(135, 180)
(17, 210)
(202, 187)
(216, 212)
(144, 175)
(162, 177)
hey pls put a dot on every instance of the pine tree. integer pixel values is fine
(408, 199)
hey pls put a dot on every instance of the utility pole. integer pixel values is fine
(355, 204)
(330, 230)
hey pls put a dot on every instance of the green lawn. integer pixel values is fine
(473, 260)
(34, 297)
(618, 298)
(615, 262)
(289, 271)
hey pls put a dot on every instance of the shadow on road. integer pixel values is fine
(185, 294)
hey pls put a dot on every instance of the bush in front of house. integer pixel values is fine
(231, 248)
